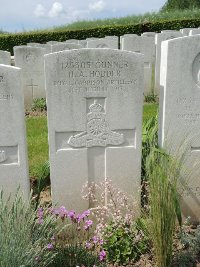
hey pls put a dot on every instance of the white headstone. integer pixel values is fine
(160, 37)
(5, 57)
(74, 41)
(194, 32)
(13, 150)
(83, 43)
(31, 61)
(186, 31)
(180, 112)
(94, 99)
(146, 46)
(103, 43)
(149, 34)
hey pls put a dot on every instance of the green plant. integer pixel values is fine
(163, 173)
(151, 98)
(39, 104)
(71, 256)
(43, 179)
(156, 23)
(124, 243)
(24, 240)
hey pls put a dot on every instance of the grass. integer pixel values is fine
(134, 19)
(127, 20)
(37, 138)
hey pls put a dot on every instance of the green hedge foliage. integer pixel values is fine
(8, 41)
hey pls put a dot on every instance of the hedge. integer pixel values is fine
(8, 41)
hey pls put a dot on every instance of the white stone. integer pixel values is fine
(160, 37)
(31, 61)
(5, 57)
(186, 31)
(194, 32)
(103, 43)
(94, 99)
(146, 46)
(83, 43)
(13, 149)
(74, 41)
(180, 112)
(149, 34)
(33, 44)
(53, 42)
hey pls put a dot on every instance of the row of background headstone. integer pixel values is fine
(179, 106)
(32, 64)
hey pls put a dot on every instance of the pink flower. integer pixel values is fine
(63, 212)
(50, 246)
(102, 255)
(88, 223)
(71, 214)
(85, 214)
(87, 245)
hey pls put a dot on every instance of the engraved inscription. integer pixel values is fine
(86, 77)
(98, 132)
(189, 113)
(102, 46)
(30, 58)
(191, 191)
(2, 79)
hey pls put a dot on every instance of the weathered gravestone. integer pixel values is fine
(194, 31)
(103, 43)
(65, 46)
(31, 61)
(146, 46)
(180, 113)
(5, 57)
(94, 99)
(186, 31)
(13, 150)
(160, 37)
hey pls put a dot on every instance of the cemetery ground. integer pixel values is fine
(71, 243)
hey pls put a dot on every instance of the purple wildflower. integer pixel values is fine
(71, 214)
(88, 223)
(63, 212)
(87, 245)
(50, 246)
(102, 255)
(86, 213)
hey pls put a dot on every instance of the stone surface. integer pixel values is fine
(31, 61)
(74, 41)
(94, 99)
(13, 150)
(194, 31)
(149, 34)
(179, 129)
(160, 37)
(5, 57)
(83, 43)
(186, 31)
(103, 43)
(146, 46)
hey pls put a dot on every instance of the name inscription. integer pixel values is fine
(87, 77)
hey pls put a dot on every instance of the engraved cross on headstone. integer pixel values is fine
(32, 85)
(97, 138)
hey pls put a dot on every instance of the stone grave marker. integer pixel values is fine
(31, 61)
(186, 31)
(160, 37)
(95, 100)
(103, 43)
(13, 150)
(5, 57)
(194, 31)
(179, 129)
(83, 43)
(72, 41)
(145, 46)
